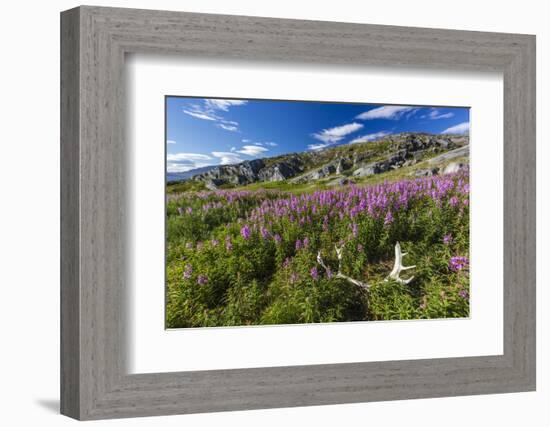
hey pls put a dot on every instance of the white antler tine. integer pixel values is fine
(398, 267)
(320, 260)
(338, 251)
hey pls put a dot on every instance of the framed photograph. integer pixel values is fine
(301, 230)
(262, 213)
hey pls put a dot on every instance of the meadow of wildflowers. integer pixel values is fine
(250, 257)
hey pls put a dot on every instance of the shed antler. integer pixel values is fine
(394, 274)
(339, 274)
(398, 267)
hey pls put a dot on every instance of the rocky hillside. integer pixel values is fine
(182, 176)
(351, 160)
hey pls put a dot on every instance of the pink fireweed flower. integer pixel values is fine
(277, 238)
(215, 242)
(447, 239)
(294, 278)
(286, 262)
(463, 294)
(388, 219)
(264, 232)
(458, 263)
(245, 232)
(298, 244)
(453, 201)
(314, 273)
(202, 279)
(305, 242)
(188, 271)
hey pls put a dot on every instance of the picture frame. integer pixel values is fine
(94, 379)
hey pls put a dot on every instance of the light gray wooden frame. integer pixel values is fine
(94, 41)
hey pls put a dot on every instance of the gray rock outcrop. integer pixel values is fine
(355, 160)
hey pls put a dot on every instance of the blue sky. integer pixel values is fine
(212, 131)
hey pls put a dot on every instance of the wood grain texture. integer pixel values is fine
(94, 382)
(70, 291)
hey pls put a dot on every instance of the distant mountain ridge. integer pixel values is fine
(353, 160)
(181, 176)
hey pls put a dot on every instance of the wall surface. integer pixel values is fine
(29, 224)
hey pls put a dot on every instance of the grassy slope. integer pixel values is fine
(249, 284)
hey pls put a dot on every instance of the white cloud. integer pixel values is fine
(230, 128)
(176, 157)
(245, 140)
(370, 137)
(227, 158)
(170, 141)
(252, 150)
(435, 114)
(208, 111)
(335, 134)
(230, 122)
(460, 128)
(263, 144)
(183, 162)
(178, 167)
(223, 104)
(232, 148)
(390, 112)
(203, 115)
(316, 147)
